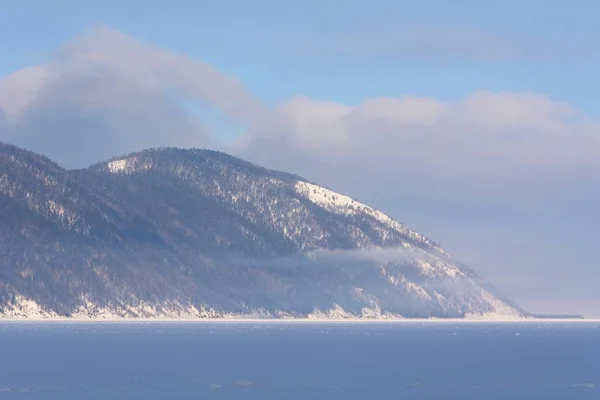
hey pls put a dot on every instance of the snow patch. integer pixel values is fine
(336, 312)
(117, 166)
(22, 307)
(128, 165)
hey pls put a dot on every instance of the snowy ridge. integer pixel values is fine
(341, 204)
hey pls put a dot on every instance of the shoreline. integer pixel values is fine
(292, 321)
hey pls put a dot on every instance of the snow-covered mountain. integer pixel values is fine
(198, 233)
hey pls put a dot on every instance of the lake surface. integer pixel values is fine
(267, 361)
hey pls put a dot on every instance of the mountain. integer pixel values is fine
(198, 233)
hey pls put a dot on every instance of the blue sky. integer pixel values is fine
(489, 161)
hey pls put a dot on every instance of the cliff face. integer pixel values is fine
(198, 233)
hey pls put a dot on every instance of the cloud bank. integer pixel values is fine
(118, 94)
(107, 93)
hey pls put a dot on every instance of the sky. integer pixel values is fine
(475, 123)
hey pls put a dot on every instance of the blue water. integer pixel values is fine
(299, 361)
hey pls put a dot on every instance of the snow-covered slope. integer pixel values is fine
(340, 204)
(199, 234)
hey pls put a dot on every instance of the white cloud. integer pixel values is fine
(19, 90)
(121, 94)
(485, 127)
(107, 93)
